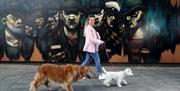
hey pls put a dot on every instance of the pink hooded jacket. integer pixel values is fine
(92, 40)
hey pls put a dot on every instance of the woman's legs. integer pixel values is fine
(86, 61)
(97, 62)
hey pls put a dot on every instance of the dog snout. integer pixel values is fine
(131, 74)
(88, 76)
(91, 75)
(129, 71)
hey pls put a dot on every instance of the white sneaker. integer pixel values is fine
(101, 76)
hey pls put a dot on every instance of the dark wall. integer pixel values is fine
(163, 18)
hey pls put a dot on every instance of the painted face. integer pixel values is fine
(14, 24)
(71, 19)
(39, 21)
(110, 20)
(98, 18)
(28, 30)
(12, 20)
(52, 22)
(56, 17)
(134, 18)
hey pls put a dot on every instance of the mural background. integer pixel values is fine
(38, 30)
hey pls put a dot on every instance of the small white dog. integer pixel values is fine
(118, 76)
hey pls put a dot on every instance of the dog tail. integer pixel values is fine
(104, 70)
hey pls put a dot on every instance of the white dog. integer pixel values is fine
(118, 76)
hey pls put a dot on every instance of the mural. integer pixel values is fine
(139, 29)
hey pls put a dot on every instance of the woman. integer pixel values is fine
(92, 42)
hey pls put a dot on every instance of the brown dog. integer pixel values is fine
(64, 75)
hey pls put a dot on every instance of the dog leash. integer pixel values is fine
(104, 46)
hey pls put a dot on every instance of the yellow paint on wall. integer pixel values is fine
(166, 57)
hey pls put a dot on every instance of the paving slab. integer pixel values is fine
(17, 77)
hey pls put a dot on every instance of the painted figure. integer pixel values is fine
(14, 31)
(41, 38)
(57, 50)
(70, 29)
(27, 44)
(109, 32)
(2, 38)
(140, 45)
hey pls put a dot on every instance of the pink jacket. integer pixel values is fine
(92, 40)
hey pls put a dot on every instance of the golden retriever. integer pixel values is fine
(63, 75)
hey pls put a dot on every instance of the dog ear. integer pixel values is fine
(68, 69)
(83, 71)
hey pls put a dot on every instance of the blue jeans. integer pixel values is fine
(96, 59)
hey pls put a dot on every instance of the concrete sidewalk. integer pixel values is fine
(17, 77)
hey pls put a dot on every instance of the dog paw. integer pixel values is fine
(106, 85)
(125, 83)
(119, 85)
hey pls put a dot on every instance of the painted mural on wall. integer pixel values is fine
(140, 29)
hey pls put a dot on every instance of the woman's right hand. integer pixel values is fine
(102, 42)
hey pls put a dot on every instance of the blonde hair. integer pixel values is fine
(87, 21)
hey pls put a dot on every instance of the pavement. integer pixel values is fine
(17, 77)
